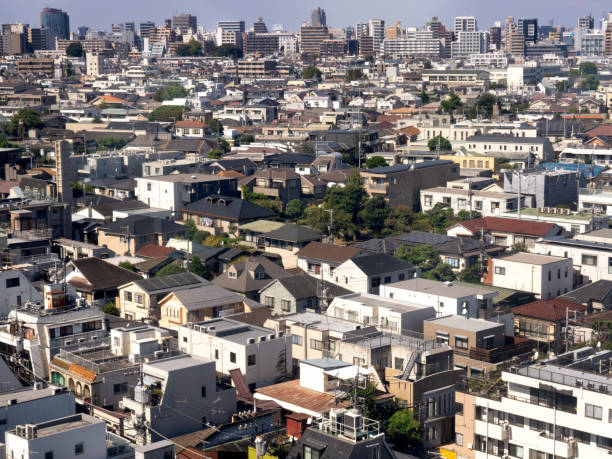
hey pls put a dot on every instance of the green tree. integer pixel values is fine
(442, 272)
(349, 199)
(311, 73)
(424, 256)
(22, 121)
(5, 143)
(215, 154)
(427, 65)
(169, 269)
(247, 139)
(439, 143)
(403, 430)
(471, 273)
(518, 247)
(562, 85)
(295, 209)
(127, 265)
(168, 113)
(74, 49)
(228, 50)
(197, 267)
(375, 161)
(591, 83)
(452, 103)
(170, 92)
(110, 308)
(374, 214)
(192, 49)
(354, 75)
(483, 106)
(215, 127)
(588, 68)
(110, 143)
(425, 99)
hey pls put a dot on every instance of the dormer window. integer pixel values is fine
(260, 275)
(232, 274)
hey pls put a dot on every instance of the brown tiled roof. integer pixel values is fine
(230, 173)
(190, 124)
(154, 251)
(508, 225)
(291, 392)
(328, 252)
(60, 363)
(83, 373)
(552, 310)
(101, 275)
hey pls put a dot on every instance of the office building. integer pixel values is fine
(366, 45)
(465, 24)
(184, 23)
(259, 26)
(529, 29)
(230, 33)
(56, 22)
(586, 22)
(145, 29)
(515, 40)
(265, 44)
(318, 18)
(495, 38)
(377, 32)
(311, 38)
(592, 44)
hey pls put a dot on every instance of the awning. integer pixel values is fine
(349, 372)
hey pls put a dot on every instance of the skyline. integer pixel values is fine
(100, 15)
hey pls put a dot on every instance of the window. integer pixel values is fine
(286, 305)
(589, 260)
(358, 361)
(14, 282)
(79, 449)
(609, 265)
(137, 298)
(442, 337)
(269, 301)
(120, 388)
(148, 187)
(516, 420)
(399, 364)
(500, 270)
(316, 344)
(49, 455)
(310, 453)
(401, 277)
(592, 411)
(461, 342)
(462, 203)
(233, 357)
(428, 199)
(127, 296)
(216, 354)
(296, 339)
(387, 280)
(515, 450)
(203, 391)
(610, 415)
(459, 439)
(454, 262)
(478, 205)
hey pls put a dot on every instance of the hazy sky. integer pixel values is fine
(100, 14)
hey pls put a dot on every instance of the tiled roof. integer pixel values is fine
(328, 252)
(101, 275)
(552, 310)
(291, 392)
(154, 251)
(81, 372)
(508, 225)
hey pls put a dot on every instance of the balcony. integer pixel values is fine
(515, 346)
(382, 186)
(274, 192)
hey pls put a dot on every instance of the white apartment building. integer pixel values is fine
(595, 201)
(16, 290)
(465, 24)
(445, 297)
(539, 147)
(376, 29)
(597, 156)
(421, 44)
(256, 351)
(77, 436)
(544, 275)
(557, 408)
(469, 43)
(487, 203)
(394, 316)
(489, 60)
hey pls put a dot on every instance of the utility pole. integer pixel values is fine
(567, 311)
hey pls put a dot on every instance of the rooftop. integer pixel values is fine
(233, 330)
(532, 258)
(446, 289)
(464, 323)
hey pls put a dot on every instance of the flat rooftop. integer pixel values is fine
(322, 322)
(26, 395)
(231, 330)
(375, 301)
(55, 427)
(532, 258)
(447, 289)
(176, 363)
(463, 323)
(183, 178)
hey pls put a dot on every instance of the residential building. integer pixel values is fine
(445, 297)
(282, 184)
(401, 185)
(597, 296)
(190, 129)
(512, 147)
(185, 23)
(366, 273)
(421, 44)
(198, 304)
(311, 38)
(505, 232)
(391, 315)
(595, 201)
(574, 223)
(465, 24)
(529, 29)
(16, 290)
(256, 68)
(218, 214)
(376, 29)
(95, 64)
(549, 188)
(288, 240)
(260, 354)
(178, 395)
(469, 43)
(544, 275)
(455, 77)
(174, 192)
(139, 300)
(127, 235)
(319, 259)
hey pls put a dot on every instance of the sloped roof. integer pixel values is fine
(595, 291)
(101, 275)
(302, 286)
(194, 299)
(154, 251)
(375, 263)
(135, 225)
(552, 310)
(171, 281)
(293, 233)
(328, 252)
(229, 208)
(245, 281)
(508, 225)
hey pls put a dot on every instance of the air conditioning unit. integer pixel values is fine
(470, 446)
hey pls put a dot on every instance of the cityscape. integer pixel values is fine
(323, 239)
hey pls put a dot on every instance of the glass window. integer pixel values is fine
(251, 360)
(286, 305)
(454, 262)
(459, 439)
(589, 260)
(461, 343)
(127, 296)
(399, 364)
(500, 270)
(515, 450)
(592, 411)
(14, 282)
(79, 449)
(233, 357)
(296, 339)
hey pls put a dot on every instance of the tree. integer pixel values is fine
(247, 139)
(424, 97)
(374, 214)
(213, 241)
(74, 49)
(311, 73)
(439, 143)
(562, 85)
(440, 217)
(110, 143)
(588, 68)
(110, 308)
(424, 256)
(215, 127)
(197, 267)
(127, 265)
(168, 113)
(295, 209)
(192, 49)
(21, 122)
(228, 50)
(471, 273)
(5, 143)
(427, 65)
(591, 83)
(215, 154)
(354, 75)
(403, 430)
(442, 272)
(171, 92)
(172, 268)
(452, 103)
(375, 161)
(484, 106)
(518, 247)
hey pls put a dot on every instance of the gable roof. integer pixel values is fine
(136, 225)
(552, 310)
(595, 291)
(229, 208)
(101, 275)
(154, 251)
(376, 263)
(508, 225)
(244, 281)
(171, 281)
(194, 299)
(328, 252)
(302, 286)
(293, 233)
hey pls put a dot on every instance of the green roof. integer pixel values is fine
(261, 226)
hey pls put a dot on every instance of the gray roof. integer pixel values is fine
(326, 363)
(293, 233)
(228, 208)
(378, 263)
(596, 291)
(448, 290)
(170, 282)
(305, 286)
(245, 281)
(194, 299)
(463, 323)
(136, 225)
(505, 139)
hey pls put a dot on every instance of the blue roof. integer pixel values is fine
(588, 170)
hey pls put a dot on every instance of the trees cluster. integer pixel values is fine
(21, 122)
(192, 49)
(75, 49)
(312, 73)
(168, 113)
(375, 161)
(170, 92)
(228, 50)
(110, 143)
(439, 143)
(427, 259)
(354, 74)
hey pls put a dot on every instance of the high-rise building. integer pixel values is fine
(529, 29)
(586, 22)
(260, 26)
(230, 33)
(495, 37)
(377, 32)
(608, 40)
(145, 28)
(260, 43)
(318, 18)
(184, 22)
(366, 45)
(418, 43)
(37, 39)
(468, 43)
(394, 31)
(361, 28)
(65, 170)
(82, 32)
(129, 27)
(56, 22)
(465, 24)
(14, 39)
(312, 37)
(515, 40)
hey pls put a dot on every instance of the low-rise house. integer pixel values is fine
(127, 235)
(393, 316)
(197, 304)
(248, 277)
(319, 259)
(365, 273)
(572, 222)
(487, 203)
(16, 290)
(189, 128)
(78, 249)
(544, 275)
(139, 299)
(223, 214)
(97, 281)
(262, 355)
(479, 346)
(445, 297)
(253, 232)
(288, 240)
(544, 321)
(504, 231)
(506, 146)
(597, 296)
